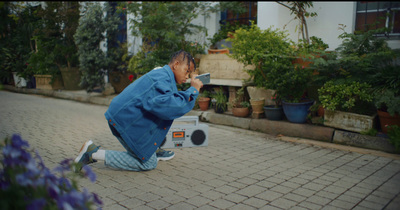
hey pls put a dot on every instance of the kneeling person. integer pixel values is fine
(141, 115)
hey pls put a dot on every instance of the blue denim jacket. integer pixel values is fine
(143, 113)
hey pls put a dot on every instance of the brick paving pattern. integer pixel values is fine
(239, 169)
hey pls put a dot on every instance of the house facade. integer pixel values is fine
(331, 15)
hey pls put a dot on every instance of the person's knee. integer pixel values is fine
(150, 165)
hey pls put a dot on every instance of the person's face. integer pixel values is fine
(181, 71)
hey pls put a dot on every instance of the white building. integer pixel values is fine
(330, 15)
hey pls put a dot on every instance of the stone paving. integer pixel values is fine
(239, 169)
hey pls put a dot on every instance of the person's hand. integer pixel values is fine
(196, 83)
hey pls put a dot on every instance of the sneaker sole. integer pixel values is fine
(166, 158)
(83, 150)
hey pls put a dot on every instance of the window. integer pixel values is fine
(251, 14)
(378, 14)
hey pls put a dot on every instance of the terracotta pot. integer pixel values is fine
(218, 51)
(257, 105)
(386, 119)
(204, 103)
(320, 111)
(240, 112)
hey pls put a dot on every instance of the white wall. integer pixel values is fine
(325, 25)
(134, 42)
(211, 22)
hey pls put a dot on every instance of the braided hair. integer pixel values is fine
(181, 55)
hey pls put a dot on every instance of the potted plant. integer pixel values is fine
(240, 107)
(257, 105)
(350, 101)
(219, 100)
(226, 31)
(67, 49)
(241, 110)
(387, 103)
(47, 74)
(268, 56)
(274, 112)
(365, 58)
(54, 39)
(204, 100)
(295, 101)
(385, 82)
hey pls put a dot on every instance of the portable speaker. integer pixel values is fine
(186, 132)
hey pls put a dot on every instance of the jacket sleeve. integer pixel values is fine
(168, 104)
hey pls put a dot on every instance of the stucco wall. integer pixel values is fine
(325, 25)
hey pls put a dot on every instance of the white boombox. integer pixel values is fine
(185, 134)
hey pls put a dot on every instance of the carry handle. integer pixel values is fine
(188, 118)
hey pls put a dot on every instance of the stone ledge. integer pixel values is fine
(364, 141)
(306, 131)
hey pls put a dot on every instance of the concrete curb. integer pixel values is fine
(278, 128)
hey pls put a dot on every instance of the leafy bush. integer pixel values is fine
(361, 57)
(345, 96)
(88, 36)
(165, 27)
(17, 25)
(364, 58)
(26, 183)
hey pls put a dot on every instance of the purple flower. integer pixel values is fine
(23, 179)
(34, 186)
(18, 142)
(87, 171)
(37, 204)
(97, 199)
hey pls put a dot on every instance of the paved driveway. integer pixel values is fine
(239, 169)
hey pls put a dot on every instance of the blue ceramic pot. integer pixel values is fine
(297, 112)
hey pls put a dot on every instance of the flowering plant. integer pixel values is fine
(131, 77)
(26, 183)
(277, 99)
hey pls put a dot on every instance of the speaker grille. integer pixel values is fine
(198, 137)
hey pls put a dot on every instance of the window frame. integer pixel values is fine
(365, 17)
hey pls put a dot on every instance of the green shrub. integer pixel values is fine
(344, 97)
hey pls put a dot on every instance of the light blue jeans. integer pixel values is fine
(128, 160)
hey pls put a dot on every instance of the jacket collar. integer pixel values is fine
(171, 77)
